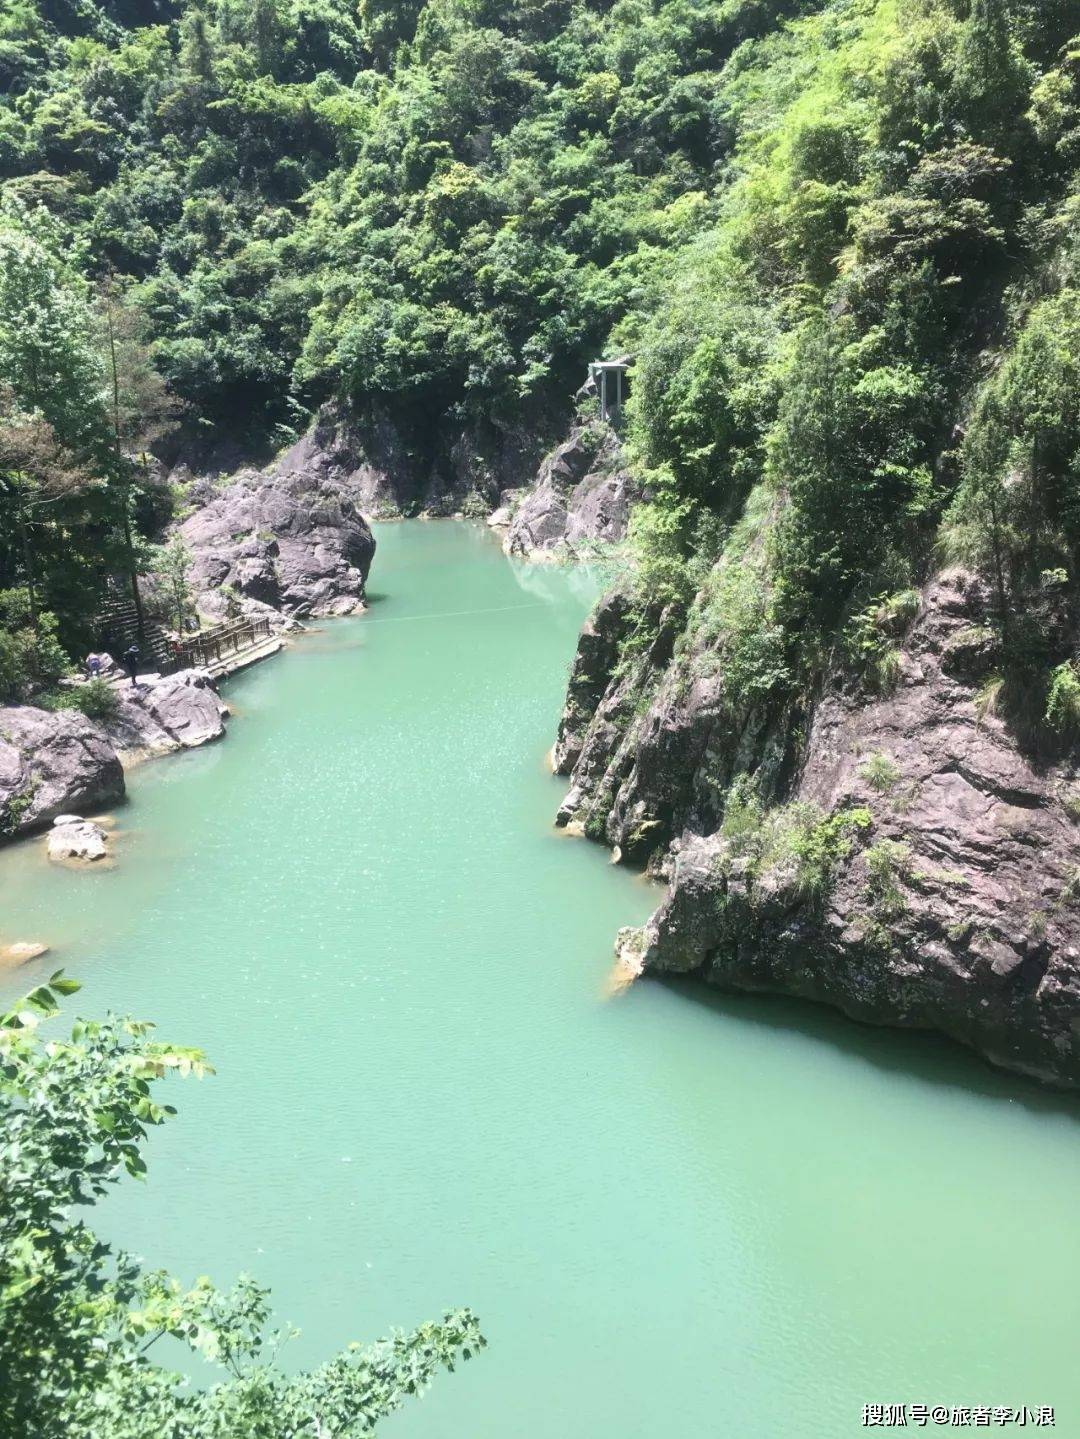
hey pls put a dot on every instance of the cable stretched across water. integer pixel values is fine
(453, 614)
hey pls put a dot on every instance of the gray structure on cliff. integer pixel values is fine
(609, 378)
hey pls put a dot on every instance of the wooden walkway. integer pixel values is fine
(241, 659)
(215, 648)
(222, 650)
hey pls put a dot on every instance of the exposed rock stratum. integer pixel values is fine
(290, 539)
(952, 899)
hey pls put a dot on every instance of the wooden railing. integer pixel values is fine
(217, 643)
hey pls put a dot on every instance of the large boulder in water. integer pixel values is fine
(51, 763)
(75, 840)
(292, 539)
(55, 763)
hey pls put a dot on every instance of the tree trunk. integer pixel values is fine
(30, 574)
(29, 569)
(133, 572)
(129, 543)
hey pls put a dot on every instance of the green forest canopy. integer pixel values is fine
(840, 236)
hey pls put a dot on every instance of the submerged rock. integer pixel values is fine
(22, 952)
(74, 839)
(52, 762)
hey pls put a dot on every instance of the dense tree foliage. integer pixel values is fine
(839, 234)
(80, 398)
(870, 361)
(446, 204)
(79, 1322)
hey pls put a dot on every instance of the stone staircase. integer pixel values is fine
(118, 627)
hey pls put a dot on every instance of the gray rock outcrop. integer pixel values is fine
(291, 539)
(58, 763)
(51, 763)
(165, 714)
(944, 892)
(393, 463)
(582, 495)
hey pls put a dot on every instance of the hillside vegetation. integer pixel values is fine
(839, 237)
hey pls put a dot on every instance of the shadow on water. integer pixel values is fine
(919, 1056)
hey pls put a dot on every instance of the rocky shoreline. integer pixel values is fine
(59, 762)
(290, 540)
(914, 865)
(946, 893)
(948, 897)
(581, 498)
(281, 544)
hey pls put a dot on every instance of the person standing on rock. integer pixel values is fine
(131, 661)
(93, 666)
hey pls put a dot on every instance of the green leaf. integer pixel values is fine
(63, 985)
(41, 1000)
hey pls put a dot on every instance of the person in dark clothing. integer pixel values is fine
(131, 661)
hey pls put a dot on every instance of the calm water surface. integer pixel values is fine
(676, 1215)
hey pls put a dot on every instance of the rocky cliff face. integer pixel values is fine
(289, 538)
(912, 864)
(582, 494)
(292, 538)
(393, 466)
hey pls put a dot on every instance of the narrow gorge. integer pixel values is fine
(540, 644)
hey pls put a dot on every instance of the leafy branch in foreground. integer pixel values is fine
(78, 1321)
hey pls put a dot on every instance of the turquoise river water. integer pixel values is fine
(676, 1214)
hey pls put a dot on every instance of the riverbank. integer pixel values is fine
(276, 546)
(55, 762)
(898, 852)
